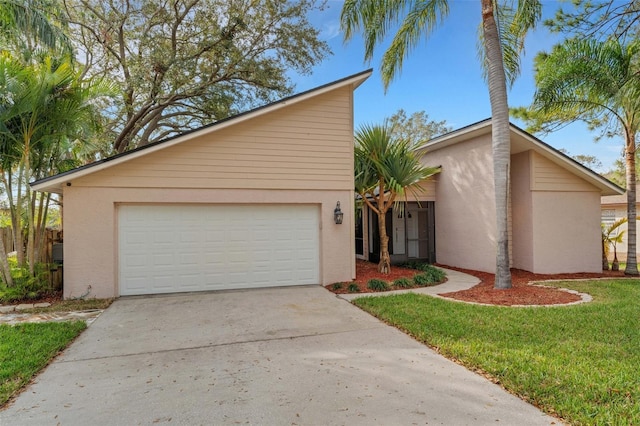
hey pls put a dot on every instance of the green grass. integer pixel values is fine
(578, 362)
(26, 348)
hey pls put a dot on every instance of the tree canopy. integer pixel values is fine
(589, 18)
(417, 127)
(182, 64)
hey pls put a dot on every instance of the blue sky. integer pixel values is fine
(443, 77)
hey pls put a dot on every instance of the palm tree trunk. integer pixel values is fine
(630, 157)
(385, 259)
(384, 266)
(501, 140)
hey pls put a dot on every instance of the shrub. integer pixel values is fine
(432, 276)
(26, 286)
(437, 275)
(412, 264)
(403, 283)
(377, 285)
(353, 288)
(336, 286)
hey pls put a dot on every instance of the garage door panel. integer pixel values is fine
(173, 248)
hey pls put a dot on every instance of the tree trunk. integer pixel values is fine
(630, 156)
(605, 261)
(615, 266)
(501, 141)
(385, 260)
(5, 270)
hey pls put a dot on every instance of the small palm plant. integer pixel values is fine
(611, 236)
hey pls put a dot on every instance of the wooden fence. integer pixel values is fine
(52, 236)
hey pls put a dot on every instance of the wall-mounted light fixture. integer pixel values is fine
(337, 214)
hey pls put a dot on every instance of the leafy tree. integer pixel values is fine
(385, 169)
(417, 127)
(608, 99)
(182, 64)
(45, 109)
(501, 48)
(618, 174)
(590, 161)
(588, 18)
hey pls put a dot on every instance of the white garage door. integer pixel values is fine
(176, 248)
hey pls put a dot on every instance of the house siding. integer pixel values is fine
(547, 176)
(302, 146)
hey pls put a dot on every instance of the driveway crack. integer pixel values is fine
(243, 342)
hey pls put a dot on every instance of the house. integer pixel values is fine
(554, 208)
(614, 208)
(245, 202)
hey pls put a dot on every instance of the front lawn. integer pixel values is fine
(578, 362)
(26, 348)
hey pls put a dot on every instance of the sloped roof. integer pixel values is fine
(56, 182)
(523, 141)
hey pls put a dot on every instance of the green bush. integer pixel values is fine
(412, 264)
(432, 276)
(377, 285)
(436, 275)
(26, 286)
(336, 286)
(353, 288)
(403, 283)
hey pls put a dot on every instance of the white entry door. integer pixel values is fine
(179, 248)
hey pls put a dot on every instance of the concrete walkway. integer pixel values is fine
(280, 356)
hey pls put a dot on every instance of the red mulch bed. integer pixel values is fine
(520, 294)
(367, 270)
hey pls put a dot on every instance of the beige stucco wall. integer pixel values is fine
(465, 210)
(302, 153)
(522, 212)
(554, 215)
(567, 232)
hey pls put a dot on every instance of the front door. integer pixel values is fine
(421, 242)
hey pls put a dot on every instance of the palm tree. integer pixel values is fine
(596, 82)
(502, 46)
(25, 24)
(611, 237)
(386, 168)
(47, 107)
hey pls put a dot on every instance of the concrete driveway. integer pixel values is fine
(283, 356)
